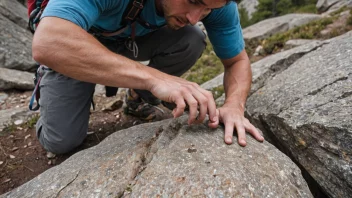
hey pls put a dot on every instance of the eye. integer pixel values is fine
(194, 2)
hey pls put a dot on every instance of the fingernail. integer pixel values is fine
(215, 118)
(228, 140)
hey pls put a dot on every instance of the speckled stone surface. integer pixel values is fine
(307, 109)
(170, 159)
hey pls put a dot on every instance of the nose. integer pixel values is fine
(194, 16)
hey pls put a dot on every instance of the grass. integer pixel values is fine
(12, 127)
(309, 31)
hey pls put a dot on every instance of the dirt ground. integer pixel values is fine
(22, 157)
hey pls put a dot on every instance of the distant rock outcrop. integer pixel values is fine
(170, 158)
(249, 6)
(331, 5)
(272, 26)
(15, 46)
(14, 11)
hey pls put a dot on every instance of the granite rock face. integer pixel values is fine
(14, 79)
(270, 66)
(15, 46)
(249, 6)
(306, 110)
(170, 159)
(14, 11)
(328, 5)
(268, 27)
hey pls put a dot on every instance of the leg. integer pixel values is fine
(65, 105)
(170, 51)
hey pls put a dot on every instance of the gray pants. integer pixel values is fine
(65, 102)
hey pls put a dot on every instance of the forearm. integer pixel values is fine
(70, 50)
(237, 82)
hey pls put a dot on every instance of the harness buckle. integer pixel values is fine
(138, 4)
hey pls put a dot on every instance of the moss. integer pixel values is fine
(309, 31)
(349, 20)
(339, 11)
(206, 68)
(311, 8)
(31, 123)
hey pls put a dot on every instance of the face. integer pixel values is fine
(179, 13)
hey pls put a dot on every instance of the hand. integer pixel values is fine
(182, 92)
(232, 117)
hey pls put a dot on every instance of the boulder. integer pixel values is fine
(332, 5)
(11, 116)
(266, 68)
(215, 82)
(306, 110)
(298, 42)
(14, 11)
(269, 66)
(268, 27)
(15, 46)
(13, 79)
(250, 6)
(170, 159)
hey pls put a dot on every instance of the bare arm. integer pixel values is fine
(237, 83)
(68, 49)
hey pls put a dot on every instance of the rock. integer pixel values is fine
(307, 110)
(298, 42)
(113, 105)
(14, 11)
(15, 46)
(9, 116)
(258, 51)
(266, 68)
(13, 79)
(332, 5)
(215, 82)
(170, 158)
(18, 122)
(268, 27)
(249, 6)
(3, 96)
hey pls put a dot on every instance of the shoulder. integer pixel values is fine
(222, 15)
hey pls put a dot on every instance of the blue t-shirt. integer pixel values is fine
(222, 24)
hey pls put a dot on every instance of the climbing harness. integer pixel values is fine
(131, 17)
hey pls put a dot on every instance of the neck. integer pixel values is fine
(159, 8)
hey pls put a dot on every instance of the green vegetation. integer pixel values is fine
(206, 68)
(273, 8)
(349, 20)
(309, 31)
(10, 128)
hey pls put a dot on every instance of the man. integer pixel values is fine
(78, 61)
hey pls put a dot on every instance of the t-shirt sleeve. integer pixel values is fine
(224, 31)
(81, 12)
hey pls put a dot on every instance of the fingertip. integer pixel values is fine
(242, 142)
(228, 140)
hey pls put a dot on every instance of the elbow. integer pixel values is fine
(37, 54)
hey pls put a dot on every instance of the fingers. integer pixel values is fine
(253, 131)
(193, 106)
(214, 124)
(180, 107)
(241, 133)
(229, 126)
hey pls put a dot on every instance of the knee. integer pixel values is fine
(195, 38)
(57, 142)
